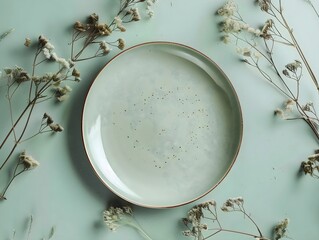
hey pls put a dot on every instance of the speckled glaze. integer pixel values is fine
(161, 125)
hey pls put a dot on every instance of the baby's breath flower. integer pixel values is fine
(28, 161)
(119, 25)
(121, 43)
(48, 118)
(80, 26)
(27, 42)
(149, 9)
(56, 127)
(93, 18)
(62, 93)
(64, 63)
(104, 30)
(244, 51)
(286, 73)
(49, 46)
(264, 31)
(76, 73)
(308, 106)
(105, 47)
(264, 5)
(279, 112)
(226, 39)
(42, 40)
(289, 104)
(115, 217)
(228, 9)
(46, 53)
(17, 74)
(232, 204)
(135, 14)
(292, 67)
(281, 229)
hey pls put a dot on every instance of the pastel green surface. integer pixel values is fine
(64, 191)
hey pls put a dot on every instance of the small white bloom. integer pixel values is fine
(254, 31)
(289, 104)
(62, 93)
(135, 14)
(314, 157)
(64, 63)
(228, 9)
(256, 55)
(54, 56)
(150, 12)
(46, 53)
(118, 20)
(28, 161)
(56, 127)
(308, 106)
(49, 46)
(119, 24)
(226, 39)
(244, 51)
(279, 112)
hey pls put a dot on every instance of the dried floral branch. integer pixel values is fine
(311, 165)
(202, 221)
(114, 217)
(53, 86)
(92, 32)
(24, 163)
(256, 47)
(40, 88)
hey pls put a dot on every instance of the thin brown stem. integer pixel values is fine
(21, 135)
(218, 230)
(298, 48)
(14, 176)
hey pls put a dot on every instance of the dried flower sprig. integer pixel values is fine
(47, 86)
(93, 32)
(24, 163)
(115, 217)
(311, 165)
(202, 221)
(40, 88)
(256, 47)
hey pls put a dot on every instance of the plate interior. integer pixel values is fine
(161, 125)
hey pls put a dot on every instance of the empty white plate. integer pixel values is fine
(161, 125)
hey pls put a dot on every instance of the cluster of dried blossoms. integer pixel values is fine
(92, 33)
(202, 221)
(114, 217)
(256, 47)
(311, 165)
(40, 88)
(53, 85)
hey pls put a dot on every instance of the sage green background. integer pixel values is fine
(65, 193)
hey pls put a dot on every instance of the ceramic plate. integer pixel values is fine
(161, 125)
